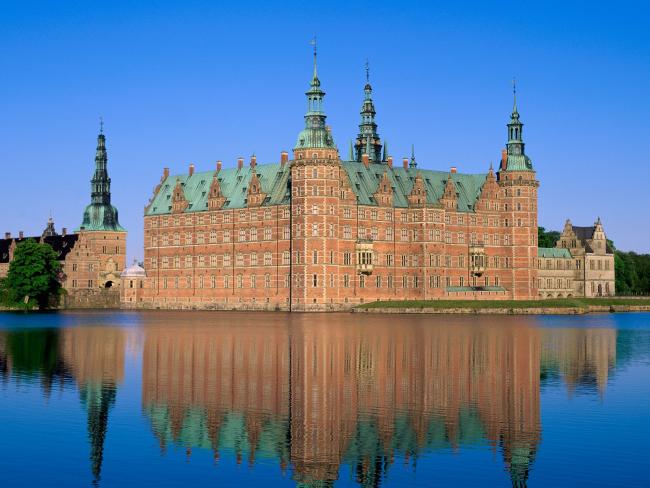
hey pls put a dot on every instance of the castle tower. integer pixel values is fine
(368, 141)
(519, 213)
(315, 175)
(100, 231)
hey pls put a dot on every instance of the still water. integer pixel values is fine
(317, 400)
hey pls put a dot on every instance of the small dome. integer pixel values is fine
(134, 271)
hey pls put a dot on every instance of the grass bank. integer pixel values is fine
(578, 304)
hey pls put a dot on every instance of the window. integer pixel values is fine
(286, 257)
(240, 259)
(268, 259)
(378, 281)
(226, 236)
(405, 261)
(267, 280)
(226, 259)
(240, 281)
(253, 259)
(347, 232)
(347, 258)
(242, 235)
(253, 234)
(314, 280)
(404, 235)
(346, 281)
(389, 234)
(347, 213)
(253, 281)
(286, 232)
(314, 230)
(362, 281)
(315, 257)
(226, 281)
(389, 260)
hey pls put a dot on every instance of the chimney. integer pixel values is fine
(389, 161)
(504, 159)
(366, 160)
(218, 166)
(191, 169)
(453, 170)
(64, 231)
(240, 163)
(7, 235)
(21, 234)
(405, 162)
(165, 173)
(253, 161)
(284, 157)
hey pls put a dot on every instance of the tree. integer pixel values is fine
(33, 277)
(547, 238)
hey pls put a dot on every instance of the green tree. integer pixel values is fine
(33, 278)
(547, 238)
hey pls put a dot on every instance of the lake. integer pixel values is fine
(318, 400)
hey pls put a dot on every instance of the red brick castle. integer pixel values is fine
(317, 232)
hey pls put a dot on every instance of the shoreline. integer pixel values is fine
(507, 310)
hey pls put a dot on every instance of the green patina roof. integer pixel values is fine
(101, 217)
(234, 187)
(365, 180)
(553, 252)
(273, 178)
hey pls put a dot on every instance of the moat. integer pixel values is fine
(244, 399)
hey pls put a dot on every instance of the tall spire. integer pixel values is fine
(413, 163)
(368, 141)
(100, 214)
(315, 133)
(516, 157)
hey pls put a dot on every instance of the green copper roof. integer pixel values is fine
(234, 187)
(365, 180)
(100, 215)
(273, 178)
(553, 252)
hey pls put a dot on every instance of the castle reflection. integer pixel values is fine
(325, 391)
(92, 357)
(317, 392)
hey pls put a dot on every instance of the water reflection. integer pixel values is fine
(315, 392)
(92, 357)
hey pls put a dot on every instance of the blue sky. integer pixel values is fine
(197, 81)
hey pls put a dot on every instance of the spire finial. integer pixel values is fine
(313, 43)
(414, 164)
(514, 94)
(101, 124)
(367, 71)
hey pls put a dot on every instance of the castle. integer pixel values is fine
(94, 255)
(317, 232)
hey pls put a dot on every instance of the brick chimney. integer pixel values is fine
(453, 170)
(64, 231)
(219, 164)
(253, 161)
(365, 159)
(284, 157)
(7, 235)
(504, 159)
(191, 169)
(389, 161)
(405, 163)
(240, 163)
(21, 234)
(165, 173)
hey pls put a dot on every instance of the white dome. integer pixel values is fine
(134, 271)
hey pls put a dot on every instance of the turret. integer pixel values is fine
(368, 141)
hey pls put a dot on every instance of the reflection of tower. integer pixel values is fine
(98, 399)
(95, 355)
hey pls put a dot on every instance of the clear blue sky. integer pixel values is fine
(193, 81)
